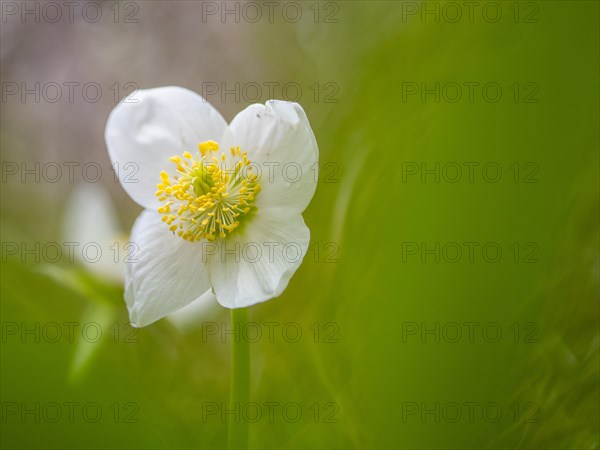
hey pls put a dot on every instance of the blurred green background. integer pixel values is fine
(384, 366)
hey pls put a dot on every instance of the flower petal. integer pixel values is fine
(148, 127)
(257, 264)
(167, 274)
(278, 138)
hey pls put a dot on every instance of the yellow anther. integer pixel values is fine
(209, 196)
(208, 146)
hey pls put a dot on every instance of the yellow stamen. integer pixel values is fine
(211, 194)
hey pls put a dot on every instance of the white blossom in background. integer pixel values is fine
(90, 219)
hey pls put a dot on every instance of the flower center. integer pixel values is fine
(211, 194)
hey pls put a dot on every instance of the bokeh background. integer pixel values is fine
(382, 293)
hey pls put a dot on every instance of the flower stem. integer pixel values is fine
(237, 430)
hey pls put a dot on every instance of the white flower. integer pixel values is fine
(90, 218)
(227, 215)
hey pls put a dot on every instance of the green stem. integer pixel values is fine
(237, 431)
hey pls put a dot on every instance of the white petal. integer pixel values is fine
(168, 274)
(278, 137)
(90, 219)
(147, 128)
(257, 264)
